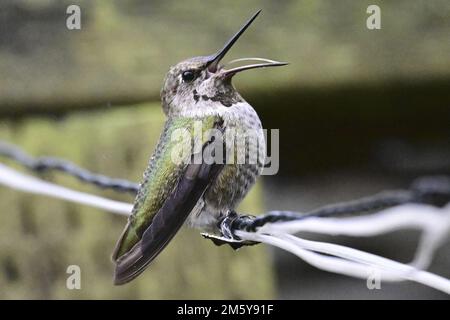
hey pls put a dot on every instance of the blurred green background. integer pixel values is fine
(358, 110)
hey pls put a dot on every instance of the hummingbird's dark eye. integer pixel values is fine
(188, 76)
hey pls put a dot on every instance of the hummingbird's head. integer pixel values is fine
(201, 82)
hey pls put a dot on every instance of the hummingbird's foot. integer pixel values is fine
(227, 226)
(232, 222)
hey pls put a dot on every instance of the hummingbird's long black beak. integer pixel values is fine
(215, 59)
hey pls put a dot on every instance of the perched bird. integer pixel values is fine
(196, 91)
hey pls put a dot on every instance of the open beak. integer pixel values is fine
(213, 62)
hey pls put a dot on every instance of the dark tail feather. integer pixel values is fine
(154, 240)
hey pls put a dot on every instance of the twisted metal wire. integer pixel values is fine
(46, 164)
(434, 190)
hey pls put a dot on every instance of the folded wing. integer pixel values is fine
(167, 196)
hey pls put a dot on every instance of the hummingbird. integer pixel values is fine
(203, 193)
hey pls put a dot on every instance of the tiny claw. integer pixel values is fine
(226, 225)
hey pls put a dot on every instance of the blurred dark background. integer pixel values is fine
(359, 111)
